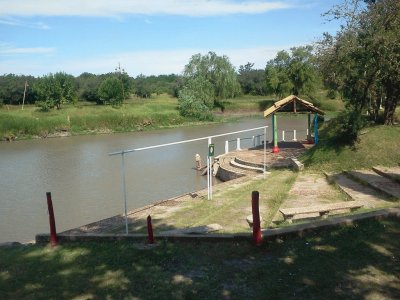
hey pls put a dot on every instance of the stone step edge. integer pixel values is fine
(331, 180)
(235, 164)
(368, 184)
(384, 174)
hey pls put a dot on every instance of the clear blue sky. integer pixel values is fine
(151, 37)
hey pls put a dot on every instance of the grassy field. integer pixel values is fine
(135, 115)
(354, 262)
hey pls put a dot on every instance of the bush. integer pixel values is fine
(348, 126)
(191, 107)
(111, 91)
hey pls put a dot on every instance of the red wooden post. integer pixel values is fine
(257, 238)
(150, 236)
(52, 221)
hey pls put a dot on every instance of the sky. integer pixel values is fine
(151, 37)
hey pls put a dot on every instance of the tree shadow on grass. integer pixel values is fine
(357, 262)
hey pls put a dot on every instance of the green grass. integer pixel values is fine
(377, 145)
(354, 262)
(230, 206)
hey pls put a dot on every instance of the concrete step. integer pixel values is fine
(235, 164)
(392, 173)
(357, 191)
(249, 163)
(379, 183)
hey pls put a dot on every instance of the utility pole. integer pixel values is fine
(23, 99)
(120, 71)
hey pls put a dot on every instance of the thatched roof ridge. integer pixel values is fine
(292, 98)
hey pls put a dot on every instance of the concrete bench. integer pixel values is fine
(323, 210)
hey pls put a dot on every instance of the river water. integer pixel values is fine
(85, 181)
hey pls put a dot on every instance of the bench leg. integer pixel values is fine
(324, 214)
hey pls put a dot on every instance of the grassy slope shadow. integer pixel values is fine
(358, 262)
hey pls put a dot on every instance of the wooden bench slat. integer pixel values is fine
(323, 209)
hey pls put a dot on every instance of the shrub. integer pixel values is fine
(191, 107)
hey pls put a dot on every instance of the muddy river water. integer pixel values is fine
(85, 181)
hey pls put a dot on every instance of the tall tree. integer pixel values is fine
(217, 70)
(292, 72)
(207, 80)
(363, 59)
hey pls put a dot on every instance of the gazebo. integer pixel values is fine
(293, 104)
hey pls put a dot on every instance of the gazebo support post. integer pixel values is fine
(309, 139)
(275, 149)
(316, 129)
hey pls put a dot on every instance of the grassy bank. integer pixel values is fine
(357, 262)
(377, 145)
(135, 115)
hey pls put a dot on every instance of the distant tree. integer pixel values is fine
(207, 80)
(54, 89)
(252, 81)
(12, 89)
(292, 72)
(142, 86)
(217, 70)
(111, 91)
(88, 85)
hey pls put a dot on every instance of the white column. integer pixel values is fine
(283, 135)
(238, 144)
(294, 135)
(226, 147)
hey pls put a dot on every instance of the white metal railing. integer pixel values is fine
(209, 166)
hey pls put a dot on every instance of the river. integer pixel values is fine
(85, 181)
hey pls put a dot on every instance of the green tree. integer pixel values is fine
(12, 89)
(111, 91)
(53, 90)
(88, 85)
(292, 72)
(252, 81)
(208, 79)
(362, 60)
(143, 87)
(217, 70)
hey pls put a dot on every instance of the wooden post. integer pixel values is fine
(150, 236)
(257, 238)
(52, 221)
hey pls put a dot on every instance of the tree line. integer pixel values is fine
(53, 90)
(360, 64)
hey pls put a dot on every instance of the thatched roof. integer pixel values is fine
(294, 104)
